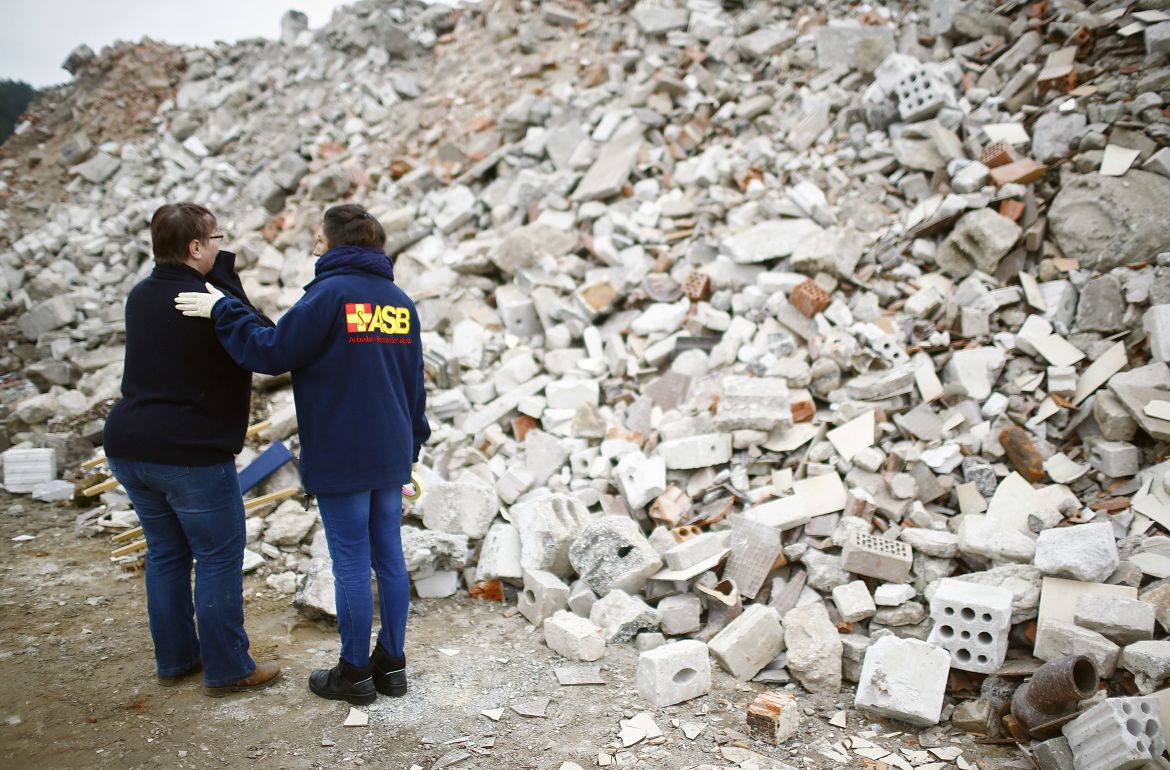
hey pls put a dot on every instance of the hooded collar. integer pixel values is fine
(352, 258)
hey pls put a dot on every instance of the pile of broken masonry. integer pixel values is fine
(826, 341)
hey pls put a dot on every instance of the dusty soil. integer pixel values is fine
(77, 685)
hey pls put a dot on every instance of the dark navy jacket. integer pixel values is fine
(184, 401)
(352, 344)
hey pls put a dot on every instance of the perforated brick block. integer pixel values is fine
(877, 557)
(697, 286)
(997, 154)
(971, 622)
(919, 96)
(1116, 734)
(809, 298)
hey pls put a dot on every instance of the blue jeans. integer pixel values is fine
(192, 512)
(363, 529)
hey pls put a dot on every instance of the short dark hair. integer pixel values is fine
(351, 225)
(174, 226)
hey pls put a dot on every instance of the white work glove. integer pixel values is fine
(197, 304)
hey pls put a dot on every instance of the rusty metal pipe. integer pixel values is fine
(1050, 697)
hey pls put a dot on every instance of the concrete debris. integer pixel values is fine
(768, 326)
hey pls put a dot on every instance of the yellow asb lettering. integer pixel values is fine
(376, 322)
(386, 319)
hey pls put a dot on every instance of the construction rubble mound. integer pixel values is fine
(828, 342)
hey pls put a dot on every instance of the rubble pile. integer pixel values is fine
(827, 341)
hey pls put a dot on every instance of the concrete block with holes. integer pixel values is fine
(573, 636)
(878, 557)
(919, 96)
(612, 553)
(544, 593)
(971, 622)
(674, 673)
(1116, 734)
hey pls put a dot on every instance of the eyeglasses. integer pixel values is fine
(216, 236)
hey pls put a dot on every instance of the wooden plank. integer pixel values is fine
(257, 428)
(129, 534)
(94, 463)
(126, 550)
(105, 486)
(257, 503)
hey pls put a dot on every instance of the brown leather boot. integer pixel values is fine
(265, 674)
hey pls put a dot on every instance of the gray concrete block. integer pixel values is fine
(854, 602)
(1116, 459)
(904, 679)
(674, 673)
(853, 647)
(1149, 662)
(981, 536)
(893, 594)
(466, 506)
(574, 637)
(500, 555)
(694, 550)
(1053, 754)
(581, 598)
(749, 642)
(612, 553)
(1116, 734)
(693, 452)
(544, 593)
(622, 616)
(1085, 552)
(680, 614)
(1123, 621)
(25, 469)
(1056, 639)
(1157, 325)
(46, 316)
(756, 403)
(1112, 417)
(972, 623)
(547, 527)
(814, 648)
(648, 640)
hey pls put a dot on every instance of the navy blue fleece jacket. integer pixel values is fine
(352, 344)
(184, 401)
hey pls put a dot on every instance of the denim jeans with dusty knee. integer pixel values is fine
(192, 513)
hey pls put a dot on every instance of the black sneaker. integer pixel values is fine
(389, 672)
(344, 682)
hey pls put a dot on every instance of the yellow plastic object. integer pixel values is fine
(418, 489)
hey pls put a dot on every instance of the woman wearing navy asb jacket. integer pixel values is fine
(352, 344)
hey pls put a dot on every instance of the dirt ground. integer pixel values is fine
(77, 686)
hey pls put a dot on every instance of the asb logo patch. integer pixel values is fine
(365, 318)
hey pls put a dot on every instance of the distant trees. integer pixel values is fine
(15, 96)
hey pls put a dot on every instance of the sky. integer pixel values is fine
(37, 35)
